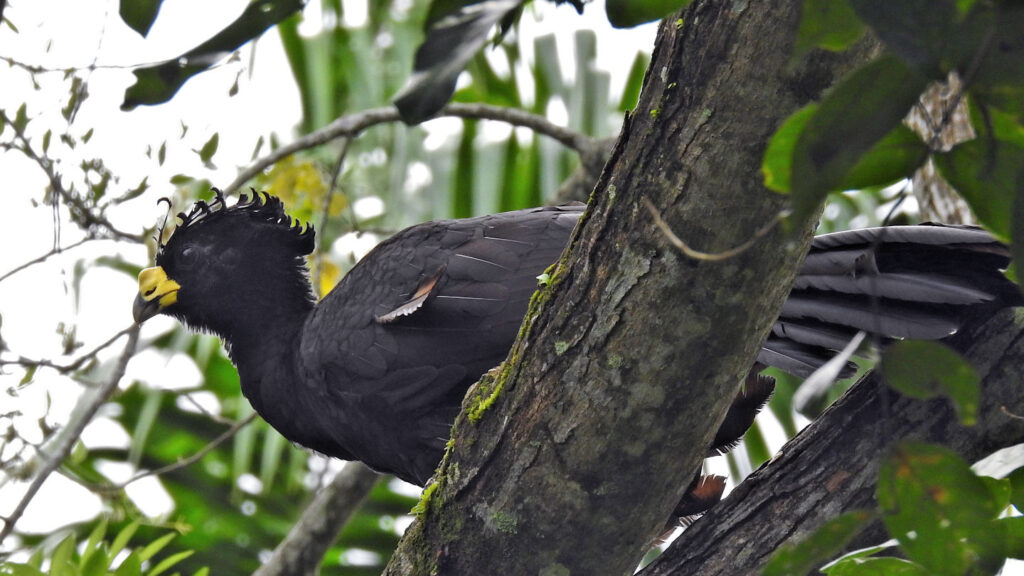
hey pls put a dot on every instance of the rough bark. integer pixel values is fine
(570, 457)
(941, 118)
(831, 467)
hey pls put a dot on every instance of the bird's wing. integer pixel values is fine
(421, 317)
(894, 282)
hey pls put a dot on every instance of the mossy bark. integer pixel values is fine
(632, 353)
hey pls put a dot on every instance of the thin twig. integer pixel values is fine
(188, 461)
(70, 435)
(353, 124)
(88, 218)
(326, 210)
(75, 365)
(44, 257)
(710, 256)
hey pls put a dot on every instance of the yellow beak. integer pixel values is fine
(156, 292)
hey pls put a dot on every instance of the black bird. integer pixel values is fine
(376, 371)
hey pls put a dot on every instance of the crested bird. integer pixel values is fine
(377, 369)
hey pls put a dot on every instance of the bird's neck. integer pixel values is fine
(264, 329)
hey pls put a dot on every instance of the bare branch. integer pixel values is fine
(188, 461)
(53, 252)
(70, 435)
(75, 365)
(87, 217)
(352, 125)
(303, 549)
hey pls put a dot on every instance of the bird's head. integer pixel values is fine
(221, 260)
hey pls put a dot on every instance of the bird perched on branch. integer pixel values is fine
(376, 371)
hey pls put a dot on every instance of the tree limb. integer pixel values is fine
(352, 125)
(832, 466)
(301, 552)
(71, 434)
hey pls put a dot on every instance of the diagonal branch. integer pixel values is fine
(301, 552)
(352, 125)
(70, 435)
(831, 467)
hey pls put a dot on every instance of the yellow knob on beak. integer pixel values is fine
(156, 292)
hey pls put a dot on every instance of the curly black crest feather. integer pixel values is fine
(260, 206)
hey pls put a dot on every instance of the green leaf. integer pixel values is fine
(854, 116)
(46, 141)
(996, 32)
(895, 157)
(95, 538)
(96, 562)
(629, 13)
(941, 513)
(1000, 489)
(156, 546)
(828, 24)
(822, 545)
(134, 192)
(634, 81)
(62, 554)
(986, 173)
(30, 373)
(160, 82)
(210, 148)
(131, 566)
(1017, 217)
(161, 155)
(1016, 479)
(139, 14)
(925, 369)
(168, 562)
(876, 567)
(450, 44)
(122, 538)
(20, 119)
(11, 569)
(757, 447)
(778, 157)
(1014, 527)
(917, 31)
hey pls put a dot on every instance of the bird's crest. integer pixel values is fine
(260, 206)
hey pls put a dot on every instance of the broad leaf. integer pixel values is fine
(875, 567)
(941, 513)
(917, 31)
(925, 369)
(777, 165)
(159, 83)
(986, 173)
(451, 43)
(854, 116)
(819, 547)
(895, 157)
(629, 13)
(828, 24)
(139, 14)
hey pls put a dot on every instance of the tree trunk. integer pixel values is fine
(571, 456)
(832, 466)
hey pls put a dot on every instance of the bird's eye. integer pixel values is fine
(188, 256)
